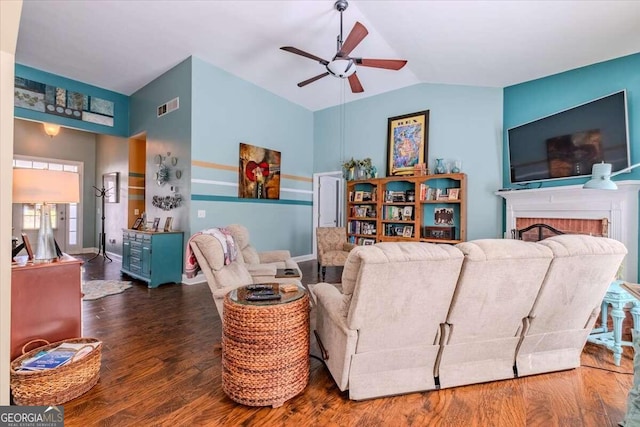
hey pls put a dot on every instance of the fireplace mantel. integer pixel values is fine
(620, 207)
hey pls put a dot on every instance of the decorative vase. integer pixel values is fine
(439, 166)
(457, 166)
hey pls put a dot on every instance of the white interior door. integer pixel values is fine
(328, 202)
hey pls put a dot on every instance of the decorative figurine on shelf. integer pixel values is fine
(439, 166)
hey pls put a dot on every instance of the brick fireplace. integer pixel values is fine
(572, 209)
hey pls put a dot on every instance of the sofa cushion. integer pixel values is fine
(211, 250)
(246, 252)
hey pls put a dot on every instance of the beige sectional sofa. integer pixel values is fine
(418, 316)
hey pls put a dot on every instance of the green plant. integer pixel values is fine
(349, 164)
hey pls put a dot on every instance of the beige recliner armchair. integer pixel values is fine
(220, 277)
(223, 278)
(333, 248)
(261, 265)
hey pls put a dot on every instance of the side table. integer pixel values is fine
(618, 298)
(265, 347)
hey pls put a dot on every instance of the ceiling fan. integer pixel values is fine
(342, 65)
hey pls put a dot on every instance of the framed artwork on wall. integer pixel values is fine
(111, 184)
(259, 173)
(407, 142)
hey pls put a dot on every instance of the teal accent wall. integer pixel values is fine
(465, 124)
(531, 100)
(226, 111)
(121, 103)
(170, 133)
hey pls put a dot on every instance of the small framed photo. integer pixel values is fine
(368, 242)
(358, 196)
(407, 231)
(136, 224)
(454, 193)
(167, 223)
(156, 224)
(27, 246)
(407, 213)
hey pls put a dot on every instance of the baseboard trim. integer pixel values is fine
(194, 280)
(308, 257)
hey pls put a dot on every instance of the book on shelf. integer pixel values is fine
(57, 356)
(632, 288)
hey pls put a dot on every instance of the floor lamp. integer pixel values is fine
(46, 187)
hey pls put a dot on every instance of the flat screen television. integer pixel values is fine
(566, 144)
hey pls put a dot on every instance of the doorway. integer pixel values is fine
(328, 202)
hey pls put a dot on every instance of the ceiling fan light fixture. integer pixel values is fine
(342, 68)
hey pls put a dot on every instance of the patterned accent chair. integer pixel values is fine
(333, 248)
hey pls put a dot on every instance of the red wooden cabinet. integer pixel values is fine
(46, 302)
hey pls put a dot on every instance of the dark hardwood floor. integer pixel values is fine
(161, 366)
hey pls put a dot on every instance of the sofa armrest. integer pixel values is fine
(261, 269)
(274, 256)
(331, 325)
(334, 303)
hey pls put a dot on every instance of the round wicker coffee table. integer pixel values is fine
(265, 347)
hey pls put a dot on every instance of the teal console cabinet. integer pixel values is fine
(154, 257)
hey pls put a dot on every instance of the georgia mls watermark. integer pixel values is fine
(31, 416)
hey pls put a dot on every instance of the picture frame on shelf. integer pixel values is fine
(454, 193)
(27, 246)
(407, 142)
(441, 233)
(407, 213)
(407, 231)
(167, 223)
(358, 196)
(156, 224)
(443, 216)
(368, 242)
(137, 223)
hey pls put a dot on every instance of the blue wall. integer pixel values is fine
(465, 124)
(121, 103)
(537, 98)
(226, 111)
(170, 133)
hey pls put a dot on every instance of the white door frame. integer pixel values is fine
(316, 204)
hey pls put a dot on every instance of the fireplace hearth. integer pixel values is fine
(572, 209)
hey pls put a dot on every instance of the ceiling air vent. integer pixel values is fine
(168, 107)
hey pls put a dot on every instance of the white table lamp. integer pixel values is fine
(46, 187)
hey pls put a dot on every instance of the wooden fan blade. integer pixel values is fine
(305, 54)
(312, 79)
(354, 82)
(354, 38)
(389, 64)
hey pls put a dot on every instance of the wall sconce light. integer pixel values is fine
(51, 129)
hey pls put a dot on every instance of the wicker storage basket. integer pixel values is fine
(58, 385)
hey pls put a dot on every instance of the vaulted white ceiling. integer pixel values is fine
(123, 45)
